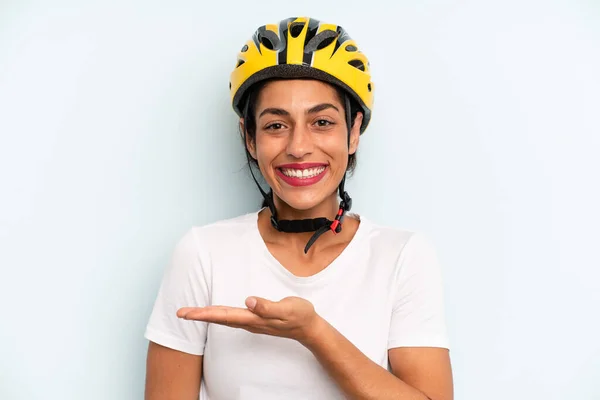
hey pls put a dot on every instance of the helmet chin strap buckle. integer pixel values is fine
(345, 206)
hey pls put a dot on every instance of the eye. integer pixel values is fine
(323, 123)
(274, 126)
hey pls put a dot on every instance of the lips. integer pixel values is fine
(305, 174)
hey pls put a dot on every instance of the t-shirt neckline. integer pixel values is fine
(322, 276)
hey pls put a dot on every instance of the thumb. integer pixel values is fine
(262, 307)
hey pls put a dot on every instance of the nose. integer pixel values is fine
(300, 142)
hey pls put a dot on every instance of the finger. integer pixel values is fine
(182, 312)
(265, 308)
(220, 315)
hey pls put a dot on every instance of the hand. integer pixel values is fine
(293, 317)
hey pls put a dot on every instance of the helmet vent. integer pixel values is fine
(240, 62)
(320, 41)
(351, 48)
(269, 39)
(326, 42)
(267, 43)
(296, 29)
(357, 64)
(245, 48)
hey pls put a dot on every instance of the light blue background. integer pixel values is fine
(116, 135)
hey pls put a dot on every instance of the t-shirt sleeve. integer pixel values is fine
(184, 284)
(418, 318)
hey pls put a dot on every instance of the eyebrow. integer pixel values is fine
(321, 107)
(274, 111)
(312, 110)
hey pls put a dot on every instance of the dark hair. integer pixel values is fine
(250, 122)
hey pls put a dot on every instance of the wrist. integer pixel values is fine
(315, 333)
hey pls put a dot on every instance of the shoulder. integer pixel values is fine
(398, 243)
(395, 237)
(235, 226)
(223, 233)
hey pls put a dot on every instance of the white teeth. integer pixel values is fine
(303, 173)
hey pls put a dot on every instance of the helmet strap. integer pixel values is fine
(317, 225)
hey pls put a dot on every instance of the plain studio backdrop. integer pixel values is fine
(117, 136)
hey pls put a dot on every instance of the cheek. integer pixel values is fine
(266, 151)
(338, 150)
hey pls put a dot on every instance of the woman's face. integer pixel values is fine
(302, 140)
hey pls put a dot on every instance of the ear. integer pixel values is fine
(250, 144)
(355, 133)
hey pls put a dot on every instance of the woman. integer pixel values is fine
(284, 303)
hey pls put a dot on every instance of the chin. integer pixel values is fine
(303, 198)
(300, 205)
(299, 202)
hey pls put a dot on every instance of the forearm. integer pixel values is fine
(357, 375)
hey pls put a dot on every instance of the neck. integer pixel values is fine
(327, 209)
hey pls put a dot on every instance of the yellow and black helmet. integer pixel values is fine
(303, 48)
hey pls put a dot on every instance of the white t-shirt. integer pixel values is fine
(383, 291)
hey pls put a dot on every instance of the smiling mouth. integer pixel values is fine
(306, 173)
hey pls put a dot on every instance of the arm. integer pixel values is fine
(426, 368)
(419, 373)
(171, 374)
(175, 351)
